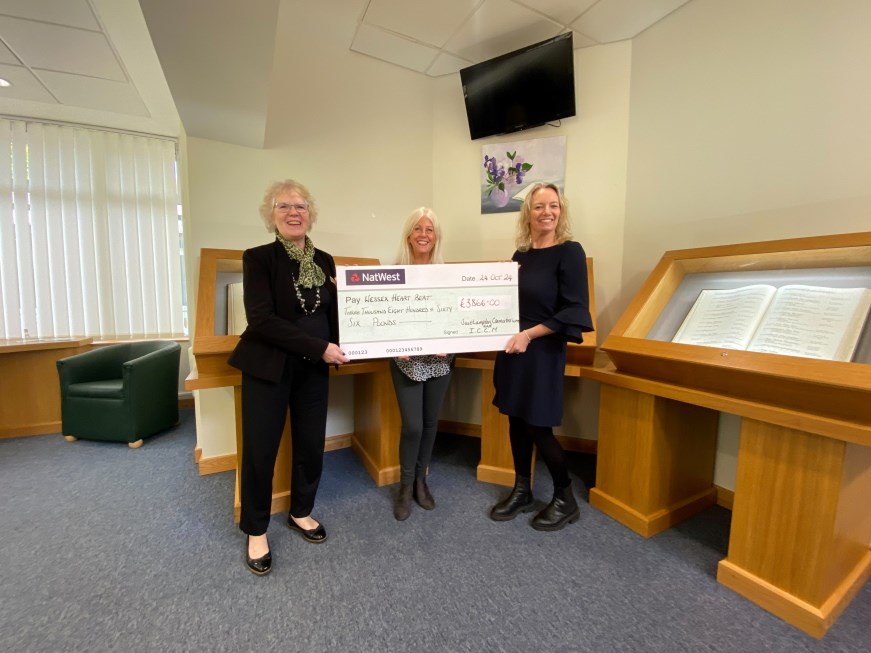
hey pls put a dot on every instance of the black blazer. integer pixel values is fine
(271, 308)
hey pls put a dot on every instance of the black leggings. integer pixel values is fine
(419, 406)
(523, 436)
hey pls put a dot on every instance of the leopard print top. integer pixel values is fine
(422, 368)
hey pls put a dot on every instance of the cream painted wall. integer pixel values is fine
(596, 162)
(357, 132)
(216, 417)
(597, 141)
(749, 121)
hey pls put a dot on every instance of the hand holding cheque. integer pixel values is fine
(407, 310)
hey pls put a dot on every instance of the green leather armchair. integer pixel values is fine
(120, 393)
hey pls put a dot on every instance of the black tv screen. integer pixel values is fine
(522, 89)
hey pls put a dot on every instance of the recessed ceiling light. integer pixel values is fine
(5, 82)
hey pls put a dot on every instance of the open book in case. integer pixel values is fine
(784, 323)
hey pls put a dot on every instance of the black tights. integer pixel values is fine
(523, 436)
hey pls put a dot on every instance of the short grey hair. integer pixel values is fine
(287, 186)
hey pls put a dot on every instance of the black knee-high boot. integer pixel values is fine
(562, 510)
(520, 500)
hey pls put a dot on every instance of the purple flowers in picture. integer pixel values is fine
(500, 181)
(510, 168)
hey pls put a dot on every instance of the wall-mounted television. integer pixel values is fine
(522, 89)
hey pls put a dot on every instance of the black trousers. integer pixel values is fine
(304, 388)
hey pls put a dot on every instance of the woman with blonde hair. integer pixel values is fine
(528, 375)
(420, 382)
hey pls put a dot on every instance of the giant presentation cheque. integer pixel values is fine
(411, 310)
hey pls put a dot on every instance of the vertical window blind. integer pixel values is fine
(90, 234)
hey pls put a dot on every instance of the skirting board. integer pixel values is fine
(725, 498)
(227, 462)
(813, 619)
(648, 525)
(569, 443)
(578, 445)
(45, 428)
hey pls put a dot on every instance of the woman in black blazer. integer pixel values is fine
(284, 354)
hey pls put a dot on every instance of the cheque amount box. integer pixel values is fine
(413, 310)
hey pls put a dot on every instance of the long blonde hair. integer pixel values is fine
(287, 186)
(523, 237)
(406, 255)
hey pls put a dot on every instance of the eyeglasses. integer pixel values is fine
(283, 206)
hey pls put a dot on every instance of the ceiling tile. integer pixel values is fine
(6, 56)
(44, 46)
(562, 11)
(24, 85)
(394, 49)
(422, 20)
(581, 40)
(616, 20)
(445, 64)
(498, 27)
(75, 13)
(103, 94)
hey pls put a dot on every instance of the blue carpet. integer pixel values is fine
(104, 548)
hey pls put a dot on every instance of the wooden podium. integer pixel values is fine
(496, 464)
(799, 544)
(376, 414)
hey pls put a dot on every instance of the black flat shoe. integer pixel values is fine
(314, 535)
(260, 566)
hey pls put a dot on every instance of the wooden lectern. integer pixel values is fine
(376, 415)
(801, 528)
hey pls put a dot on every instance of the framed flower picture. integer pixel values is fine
(510, 169)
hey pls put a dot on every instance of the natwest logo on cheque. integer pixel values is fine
(381, 276)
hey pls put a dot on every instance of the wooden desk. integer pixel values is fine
(799, 544)
(29, 385)
(376, 414)
(497, 464)
(376, 423)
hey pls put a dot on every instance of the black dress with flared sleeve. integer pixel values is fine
(552, 289)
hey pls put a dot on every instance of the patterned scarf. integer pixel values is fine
(310, 275)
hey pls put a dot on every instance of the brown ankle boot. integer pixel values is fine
(422, 494)
(402, 503)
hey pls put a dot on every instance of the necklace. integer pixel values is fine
(302, 301)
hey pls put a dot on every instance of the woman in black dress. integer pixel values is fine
(284, 353)
(528, 375)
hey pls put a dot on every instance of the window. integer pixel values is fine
(90, 234)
